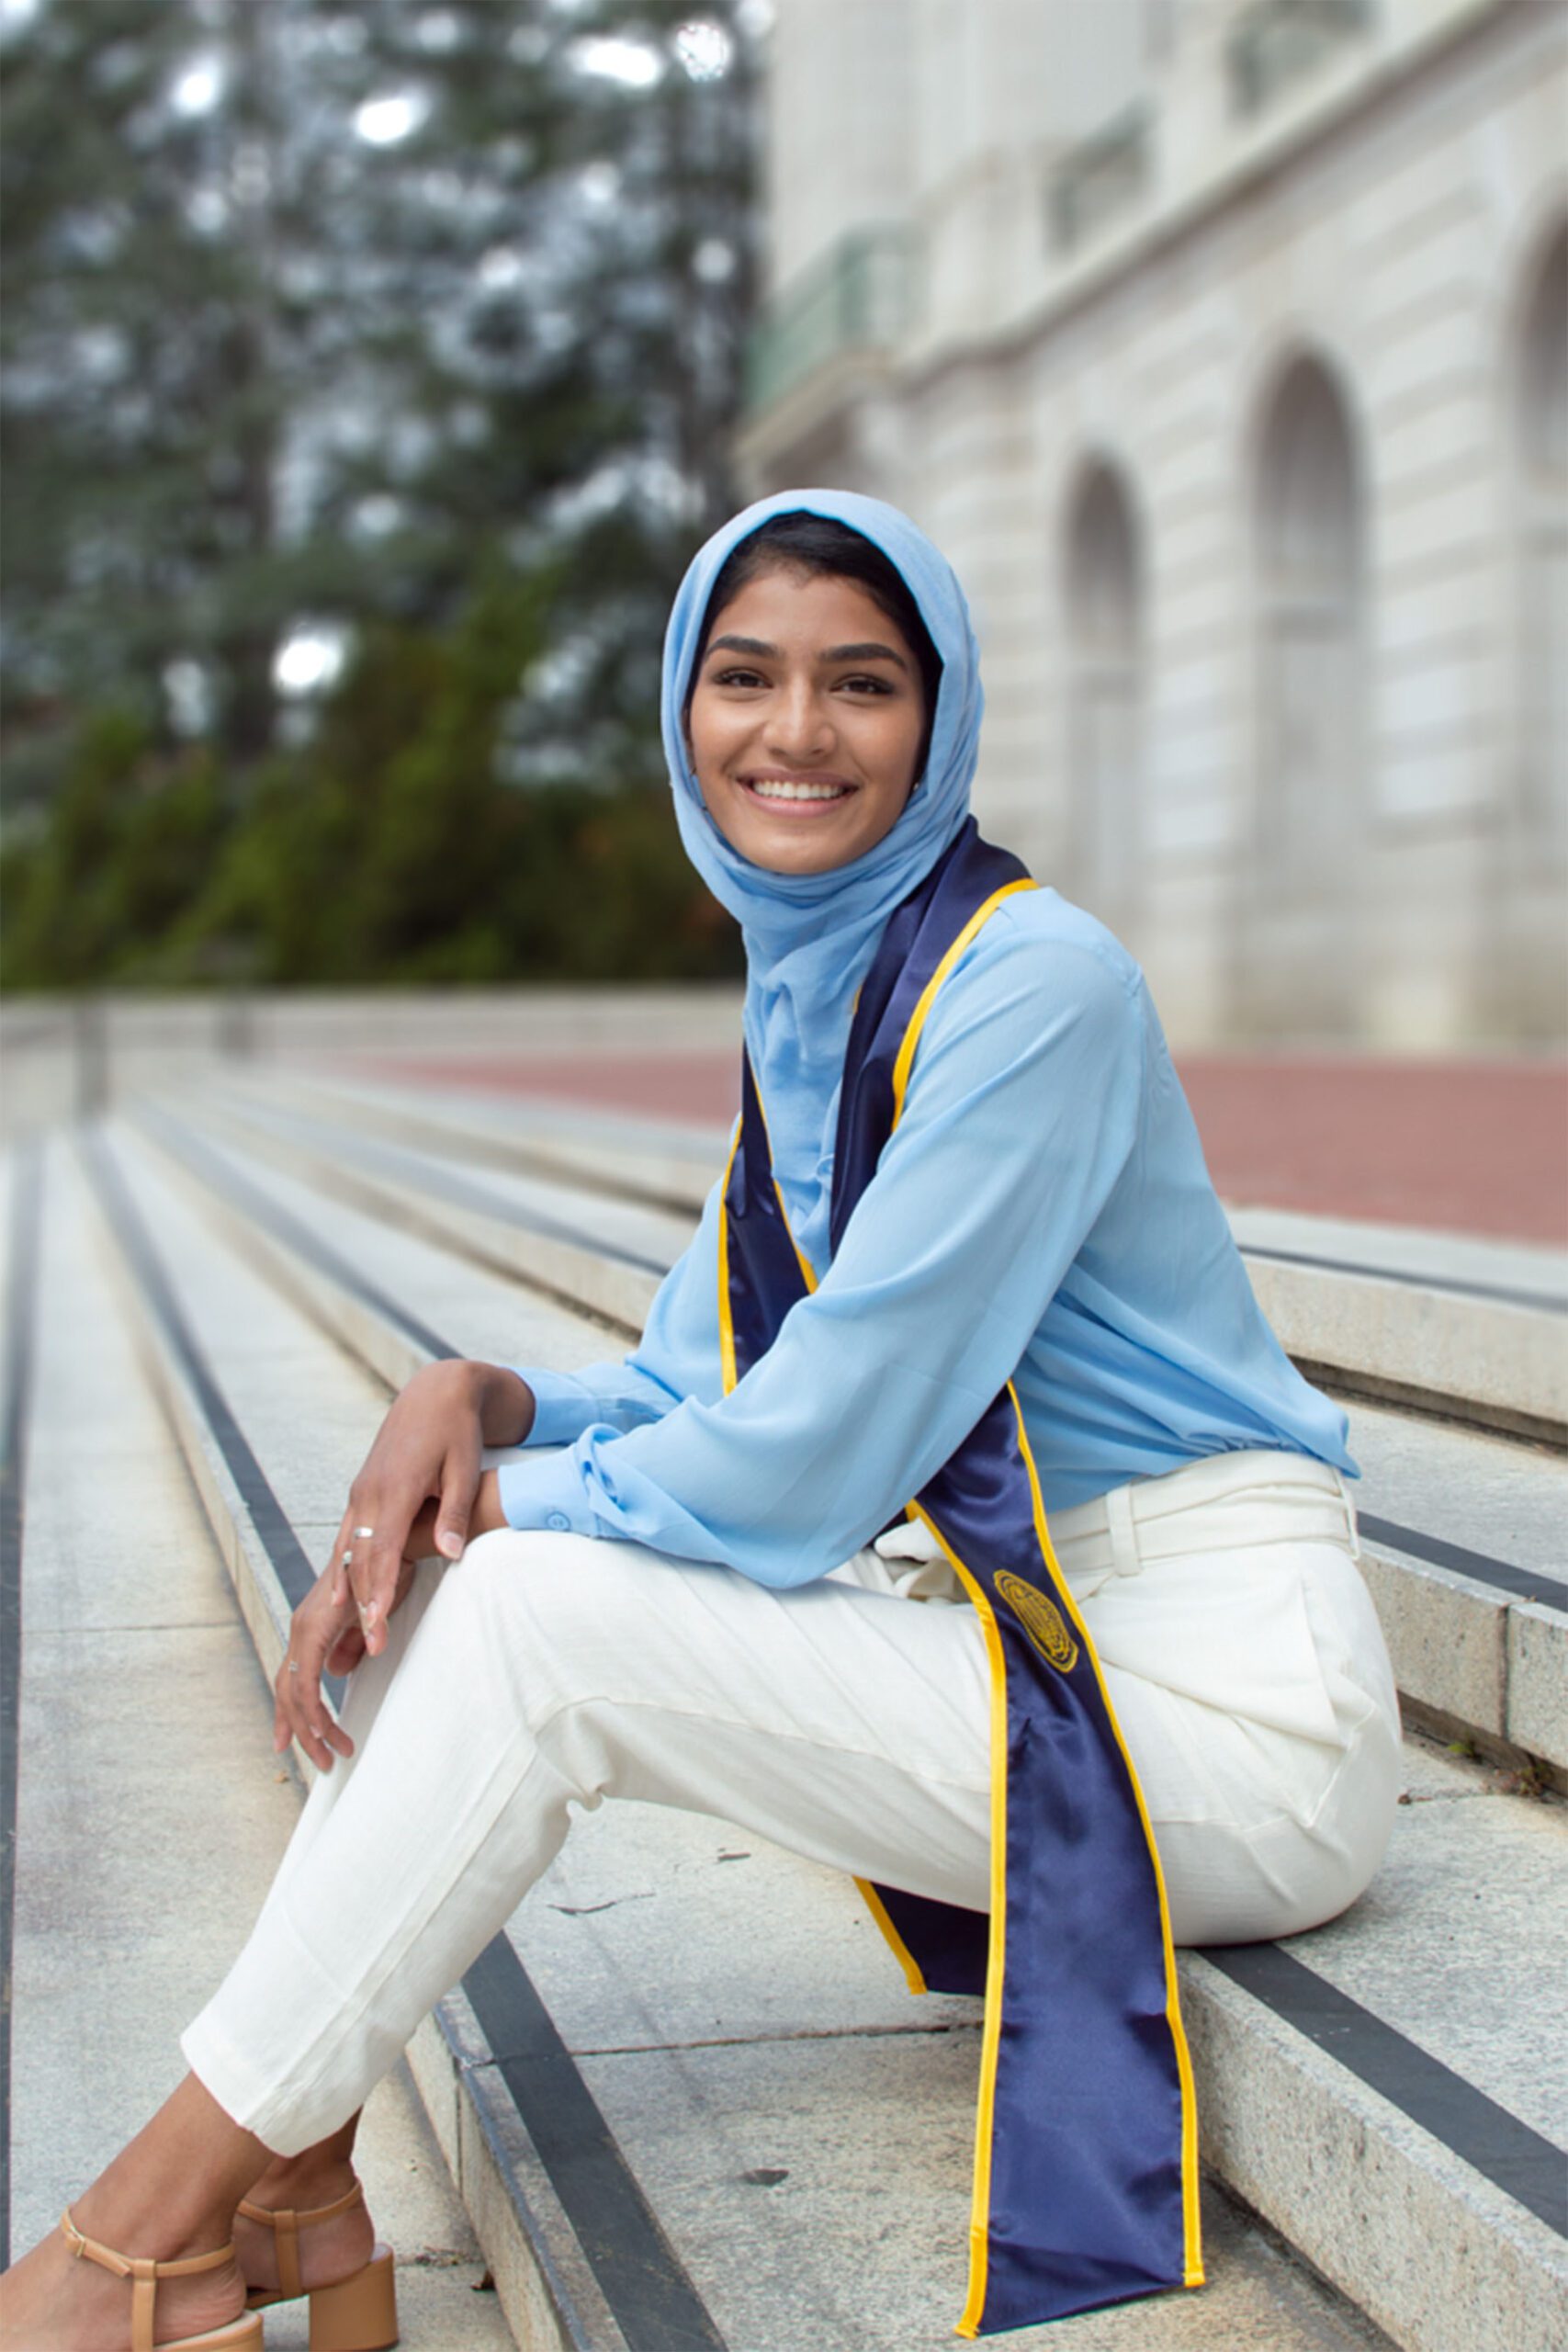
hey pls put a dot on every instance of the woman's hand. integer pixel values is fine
(318, 1631)
(325, 1635)
(426, 1453)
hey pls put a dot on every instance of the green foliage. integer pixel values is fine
(387, 848)
(461, 397)
(99, 890)
(260, 366)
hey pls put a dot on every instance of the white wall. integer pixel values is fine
(1393, 243)
(839, 144)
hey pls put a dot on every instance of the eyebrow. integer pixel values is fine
(869, 651)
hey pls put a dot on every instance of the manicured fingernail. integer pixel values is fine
(450, 1542)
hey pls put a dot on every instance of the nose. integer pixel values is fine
(800, 724)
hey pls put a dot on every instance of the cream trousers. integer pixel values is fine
(843, 1719)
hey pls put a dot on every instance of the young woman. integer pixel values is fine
(963, 1324)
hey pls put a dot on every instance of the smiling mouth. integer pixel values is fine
(795, 793)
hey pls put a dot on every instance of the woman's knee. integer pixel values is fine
(546, 1611)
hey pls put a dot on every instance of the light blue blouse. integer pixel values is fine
(1041, 1212)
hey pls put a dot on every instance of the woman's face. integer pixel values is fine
(807, 717)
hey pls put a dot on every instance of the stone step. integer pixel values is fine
(1463, 1530)
(670, 1165)
(1478, 1330)
(211, 1329)
(195, 1301)
(150, 1808)
(608, 1263)
(1474, 1329)
(1376, 2090)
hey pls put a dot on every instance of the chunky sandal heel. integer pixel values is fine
(243, 2335)
(360, 2314)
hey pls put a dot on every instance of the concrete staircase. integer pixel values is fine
(686, 2099)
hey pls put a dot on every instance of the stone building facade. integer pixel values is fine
(1223, 346)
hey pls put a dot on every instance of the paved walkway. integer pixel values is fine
(1472, 1146)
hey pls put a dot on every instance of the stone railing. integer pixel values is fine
(1100, 178)
(1276, 42)
(857, 297)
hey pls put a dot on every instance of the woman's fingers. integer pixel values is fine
(300, 1711)
(460, 1484)
(427, 1446)
(347, 1651)
(338, 1565)
(375, 1578)
(303, 1707)
(403, 1528)
(373, 1534)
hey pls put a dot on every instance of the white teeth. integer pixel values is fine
(770, 788)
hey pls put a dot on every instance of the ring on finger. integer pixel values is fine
(293, 1665)
(362, 1534)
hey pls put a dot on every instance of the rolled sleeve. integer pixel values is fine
(546, 1493)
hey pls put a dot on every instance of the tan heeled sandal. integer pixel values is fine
(360, 2312)
(242, 2335)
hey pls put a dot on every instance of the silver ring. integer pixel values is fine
(293, 1665)
(348, 1559)
(362, 1534)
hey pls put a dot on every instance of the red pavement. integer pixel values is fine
(1474, 1146)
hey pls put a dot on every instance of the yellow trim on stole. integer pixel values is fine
(911, 1036)
(1192, 2241)
(990, 2044)
(726, 1314)
(899, 1949)
(801, 1259)
(995, 1955)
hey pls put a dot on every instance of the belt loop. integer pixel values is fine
(1122, 1532)
(1352, 1530)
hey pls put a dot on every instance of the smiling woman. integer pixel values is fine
(805, 721)
(822, 711)
(963, 1326)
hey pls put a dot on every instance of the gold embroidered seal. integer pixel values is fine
(1040, 1620)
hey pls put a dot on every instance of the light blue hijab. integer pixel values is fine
(811, 938)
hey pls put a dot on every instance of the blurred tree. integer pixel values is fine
(390, 848)
(310, 305)
(399, 330)
(129, 850)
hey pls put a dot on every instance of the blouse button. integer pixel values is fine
(558, 1520)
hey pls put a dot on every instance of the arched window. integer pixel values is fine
(1105, 636)
(1296, 944)
(1310, 681)
(1541, 461)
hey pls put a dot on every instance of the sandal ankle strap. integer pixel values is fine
(272, 2214)
(136, 2265)
(285, 2225)
(142, 2270)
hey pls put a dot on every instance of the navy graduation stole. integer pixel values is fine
(1086, 2168)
